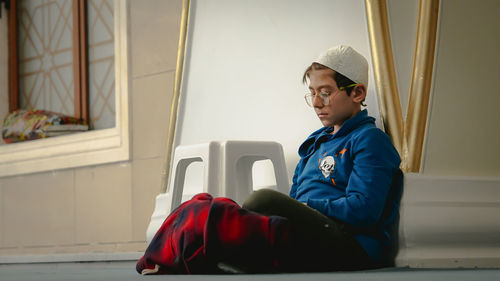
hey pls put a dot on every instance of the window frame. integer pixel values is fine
(80, 61)
(86, 148)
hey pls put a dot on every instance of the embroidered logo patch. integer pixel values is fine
(326, 165)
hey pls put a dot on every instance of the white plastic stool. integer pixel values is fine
(227, 169)
(227, 173)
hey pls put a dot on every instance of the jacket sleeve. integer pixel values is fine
(375, 160)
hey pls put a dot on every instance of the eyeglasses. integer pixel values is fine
(324, 95)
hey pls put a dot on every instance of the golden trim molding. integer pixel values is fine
(408, 136)
(421, 81)
(181, 51)
(385, 73)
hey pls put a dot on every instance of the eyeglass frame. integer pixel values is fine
(325, 97)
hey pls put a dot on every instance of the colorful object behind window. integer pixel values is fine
(22, 125)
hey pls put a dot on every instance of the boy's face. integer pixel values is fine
(340, 106)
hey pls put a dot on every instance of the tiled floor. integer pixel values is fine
(124, 271)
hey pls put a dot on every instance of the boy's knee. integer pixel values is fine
(260, 199)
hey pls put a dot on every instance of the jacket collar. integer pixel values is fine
(349, 125)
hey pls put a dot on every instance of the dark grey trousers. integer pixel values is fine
(320, 243)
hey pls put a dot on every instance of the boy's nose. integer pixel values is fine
(318, 101)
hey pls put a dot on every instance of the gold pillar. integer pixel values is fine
(181, 51)
(408, 137)
(421, 81)
(385, 74)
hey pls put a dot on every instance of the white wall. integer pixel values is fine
(403, 17)
(463, 134)
(450, 212)
(245, 61)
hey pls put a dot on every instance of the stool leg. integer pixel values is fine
(244, 178)
(176, 185)
(212, 177)
(281, 174)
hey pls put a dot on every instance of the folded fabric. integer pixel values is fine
(207, 235)
(21, 125)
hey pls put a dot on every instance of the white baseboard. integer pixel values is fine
(86, 257)
(450, 222)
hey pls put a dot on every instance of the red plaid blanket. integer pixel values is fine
(207, 235)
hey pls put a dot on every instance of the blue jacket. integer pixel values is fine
(347, 176)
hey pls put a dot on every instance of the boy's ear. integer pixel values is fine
(359, 93)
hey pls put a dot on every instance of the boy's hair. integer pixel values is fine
(340, 79)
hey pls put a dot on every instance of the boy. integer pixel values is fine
(342, 212)
(344, 200)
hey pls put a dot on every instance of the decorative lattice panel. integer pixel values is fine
(45, 55)
(100, 21)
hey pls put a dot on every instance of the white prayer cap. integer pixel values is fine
(346, 61)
